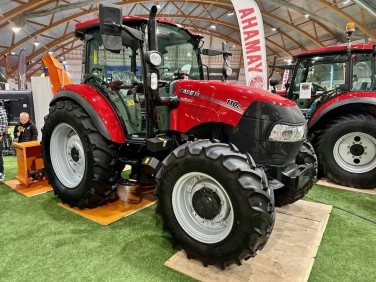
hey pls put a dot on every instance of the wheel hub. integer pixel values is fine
(75, 154)
(206, 203)
(357, 150)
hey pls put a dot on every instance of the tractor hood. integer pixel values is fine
(222, 102)
(223, 91)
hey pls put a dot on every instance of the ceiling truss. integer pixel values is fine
(294, 28)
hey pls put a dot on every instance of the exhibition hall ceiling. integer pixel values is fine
(290, 26)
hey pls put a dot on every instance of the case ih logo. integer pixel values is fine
(233, 104)
(190, 92)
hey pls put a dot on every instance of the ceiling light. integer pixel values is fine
(50, 52)
(273, 29)
(36, 43)
(213, 26)
(230, 14)
(12, 53)
(306, 16)
(16, 29)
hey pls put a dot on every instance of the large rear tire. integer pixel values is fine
(80, 163)
(286, 195)
(346, 150)
(216, 207)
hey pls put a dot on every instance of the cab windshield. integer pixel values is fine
(178, 51)
(330, 71)
(325, 71)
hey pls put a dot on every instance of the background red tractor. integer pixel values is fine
(336, 89)
(217, 151)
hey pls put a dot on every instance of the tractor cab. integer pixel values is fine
(124, 76)
(116, 62)
(323, 74)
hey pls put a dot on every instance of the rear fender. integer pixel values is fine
(337, 105)
(98, 108)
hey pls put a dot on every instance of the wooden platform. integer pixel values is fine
(127, 204)
(325, 182)
(288, 256)
(32, 189)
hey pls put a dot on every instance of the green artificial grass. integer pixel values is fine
(347, 250)
(41, 241)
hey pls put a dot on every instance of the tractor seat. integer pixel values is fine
(360, 85)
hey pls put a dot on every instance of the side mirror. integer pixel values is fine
(273, 82)
(110, 20)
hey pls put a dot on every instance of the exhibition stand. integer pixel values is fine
(29, 158)
(30, 179)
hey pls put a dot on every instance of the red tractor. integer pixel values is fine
(222, 155)
(336, 89)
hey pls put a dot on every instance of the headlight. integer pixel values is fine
(153, 57)
(288, 133)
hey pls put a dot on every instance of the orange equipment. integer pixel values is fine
(58, 76)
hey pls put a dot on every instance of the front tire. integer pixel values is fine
(80, 163)
(346, 151)
(216, 207)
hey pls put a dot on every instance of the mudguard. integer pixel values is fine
(340, 101)
(98, 108)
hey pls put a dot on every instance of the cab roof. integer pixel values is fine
(338, 49)
(85, 26)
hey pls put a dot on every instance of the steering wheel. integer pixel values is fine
(179, 74)
(317, 87)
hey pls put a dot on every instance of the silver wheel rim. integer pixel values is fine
(201, 229)
(67, 155)
(355, 152)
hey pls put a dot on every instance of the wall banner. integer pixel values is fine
(253, 42)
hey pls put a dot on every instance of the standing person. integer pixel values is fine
(25, 130)
(3, 127)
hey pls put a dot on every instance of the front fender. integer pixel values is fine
(99, 109)
(341, 101)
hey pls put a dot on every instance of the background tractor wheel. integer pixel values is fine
(216, 207)
(346, 151)
(79, 161)
(284, 195)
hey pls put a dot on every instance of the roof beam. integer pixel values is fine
(349, 18)
(31, 5)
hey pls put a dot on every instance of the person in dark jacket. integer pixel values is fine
(25, 130)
